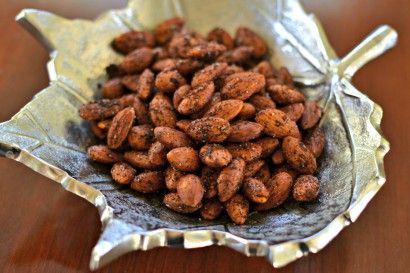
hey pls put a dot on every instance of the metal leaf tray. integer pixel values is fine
(48, 136)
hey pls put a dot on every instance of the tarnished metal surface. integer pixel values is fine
(48, 136)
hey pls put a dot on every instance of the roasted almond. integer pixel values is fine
(132, 40)
(209, 73)
(102, 154)
(172, 176)
(157, 154)
(145, 84)
(101, 109)
(215, 155)
(238, 209)
(248, 111)
(246, 37)
(184, 159)
(315, 141)
(262, 102)
(279, 187)
(255, 190)
(298, 155)
(161, 111)
(139, 159)
(168, 81)
(242, 85)
(137, 60)
(196, 98)
(227, 109)
(172, 201)
(284, 94)
(209, 129)
(264, 68)
(190, 190)
(222, 37)
(171, 138)
(253, 167)
(112, 89)
(277, 157)
(247, 150)
(141, 113)
(276, 123)
(263, 174)
(164, 31)
(242, 131)
(120, 126)
(206, 51)
(311, 115)
(268, 144)
(230, 179)
(211, 209)
(140, 137)
(293, 111)
(148, 182)
(122, 173)
(180, 94)
(306, 188)
(209, 180)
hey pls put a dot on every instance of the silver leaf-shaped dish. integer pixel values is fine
(48, 136)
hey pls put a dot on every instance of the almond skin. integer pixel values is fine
(227, 109)
(120, 126)
(148, 182)
(284, 94)
(172, 176)
(214, 155)
(298, 155)
(311, 115)
(172, 138)
(137, 60)
(102, 154)
(279, 187)
(168, 81)
(315, 141)
(209, 129)
(157, 154)
(209, 180)
(238, 209)
(211, 209)
(140, 137)
(164, 31)
(222, 37)
(190, 190)
(230, 179)
(145, 84)
(172, 201)
(253, 167)
(255, 190)
(132, 40)
(162, 112)
(184, 159)
(209, 73)
(293, 111)
(122, 173)
(268, 144)
(261, 102)
(112, 89)
(139, 159)
(196, 99)
(306, 188)
(247, 150)
(276, 123)
(248, 111)
(246, 37)
(242, 131)
(242, 86)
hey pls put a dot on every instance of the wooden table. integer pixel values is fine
(35, 236)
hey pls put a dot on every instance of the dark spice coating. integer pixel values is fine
(211, 209)
(255, 190)
(123, 173)
(230, 179)
(306, 188)
(215, 155)
(140, 137)
(298, 155)
(208, 119)
(148, 182)
(120, 126)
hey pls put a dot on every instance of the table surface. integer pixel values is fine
(36, 237)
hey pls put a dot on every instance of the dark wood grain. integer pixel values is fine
(46, 229)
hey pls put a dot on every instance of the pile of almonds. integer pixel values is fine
(207, 121)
